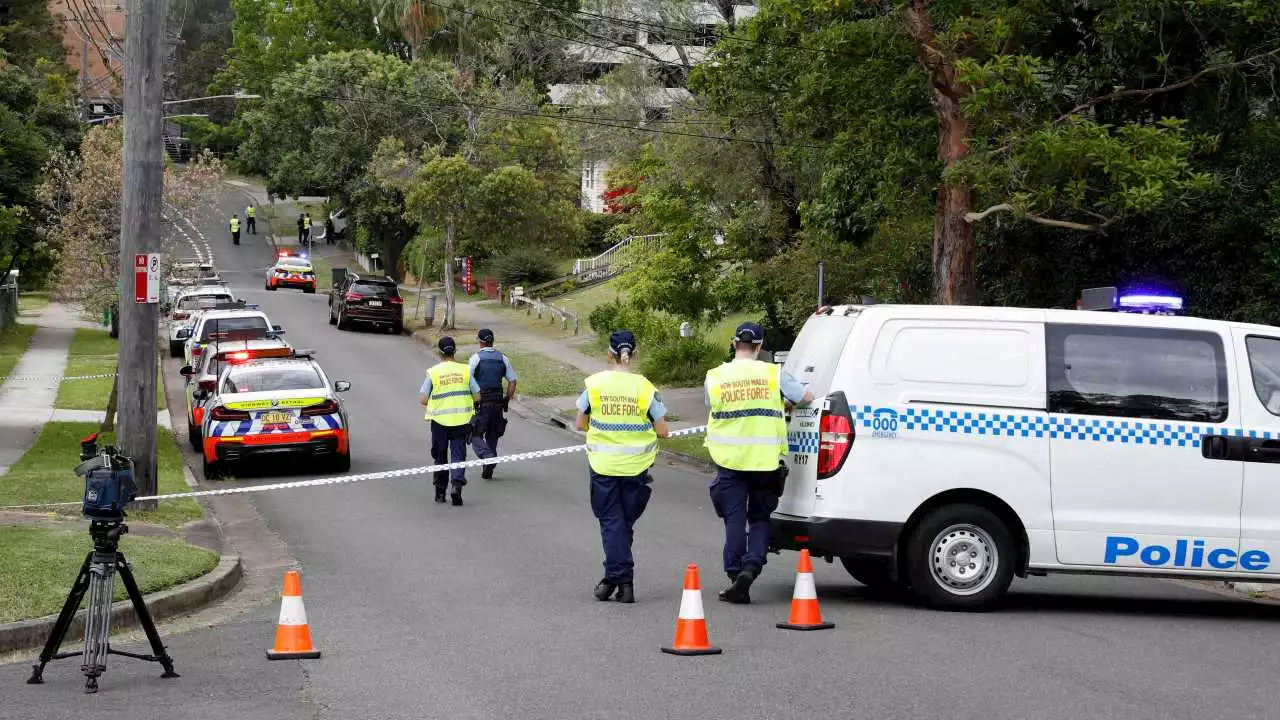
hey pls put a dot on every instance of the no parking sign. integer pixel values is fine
(146, 278)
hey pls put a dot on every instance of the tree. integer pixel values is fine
(81, 196)
(440, 196)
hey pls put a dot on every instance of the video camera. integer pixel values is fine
(108, 480)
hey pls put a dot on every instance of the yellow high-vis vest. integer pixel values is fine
(620, 438)
(248, 212)
(235, 224)
(450, 403)
(746, 429)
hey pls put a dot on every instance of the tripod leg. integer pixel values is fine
(59, 631)
(144, 617)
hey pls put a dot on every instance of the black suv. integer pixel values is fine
(371, 299)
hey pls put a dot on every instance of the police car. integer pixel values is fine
(188, 273)
(187, 305)
(955, 447)
(217, 322)
(273, 407)
(202, 378)
(291, 271)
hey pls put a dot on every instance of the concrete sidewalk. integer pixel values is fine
(25, 406)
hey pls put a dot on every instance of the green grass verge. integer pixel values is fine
(690, 445)
(546, 326)
(584, 301)
(324, 274)
(40, 564)
(539, 375)
(13, 343)
(44, 474)
(33, 301)
(93, 352)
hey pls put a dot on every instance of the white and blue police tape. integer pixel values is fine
(362, 477)
(55, 378)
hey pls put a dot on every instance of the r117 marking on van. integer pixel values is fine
(884, 423)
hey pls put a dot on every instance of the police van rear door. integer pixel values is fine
(812, 360)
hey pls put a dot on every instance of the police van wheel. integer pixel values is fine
(960, 557)
(872, 573)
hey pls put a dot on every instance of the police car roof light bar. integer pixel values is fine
(1151, 302)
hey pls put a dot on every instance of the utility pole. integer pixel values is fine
(144, 57)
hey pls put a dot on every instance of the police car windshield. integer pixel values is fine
(273, 378)
(243, 327)
(294, 263)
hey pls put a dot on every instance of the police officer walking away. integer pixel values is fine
(489, 368)
(302, 230)
(251, 218)
(747, 438)
(235, 229)
(624, 417)
(447, 395)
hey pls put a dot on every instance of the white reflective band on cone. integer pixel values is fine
(805, 589)
(291, 611)
(691, 605)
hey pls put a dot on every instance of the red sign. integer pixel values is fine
(140, 278)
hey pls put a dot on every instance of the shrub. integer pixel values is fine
(650, 328)
(683, 361)
(524, 266)
(596, 237)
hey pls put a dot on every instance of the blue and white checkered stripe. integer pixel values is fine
(1092, 429)
(232, 428)
(802, 442)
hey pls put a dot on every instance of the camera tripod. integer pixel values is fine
(97, 577)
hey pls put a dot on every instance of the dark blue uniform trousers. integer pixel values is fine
(744, 500)
(618, 502)
(446, 441)
(487, 426)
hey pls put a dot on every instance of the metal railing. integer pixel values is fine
(619, 257)
(551, 312)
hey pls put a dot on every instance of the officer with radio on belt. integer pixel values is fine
(747, 439)
(624, 417)
(447, 395)
(489, 368)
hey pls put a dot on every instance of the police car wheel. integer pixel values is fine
(309, 291)
(341, 463)
(872, 573)
(960, 557)
(194, 436)
(212, 470)
(175, 348)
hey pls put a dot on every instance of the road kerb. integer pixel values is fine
(184, 599)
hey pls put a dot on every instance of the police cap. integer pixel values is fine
(485, 335)
(749, 332)
(447, 345)
(620, 339)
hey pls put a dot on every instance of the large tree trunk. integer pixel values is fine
(954, 249)
(450, 242)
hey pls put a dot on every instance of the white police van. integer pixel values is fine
(954, 447)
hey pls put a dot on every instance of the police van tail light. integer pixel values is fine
(328, 407)
(836, 434)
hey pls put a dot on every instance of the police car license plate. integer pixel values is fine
(276, 418)
(375, 303)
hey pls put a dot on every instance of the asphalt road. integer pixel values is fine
(485, 611)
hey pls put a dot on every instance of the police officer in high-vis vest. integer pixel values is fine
(447, 395)
(747, 438)
(235, 229)
(624, 417)
(251, 219)
(489, 369)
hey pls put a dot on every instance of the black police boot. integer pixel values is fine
(440, 495)
(626, 593)
(486, 472)
(604, 590)
(739, 592)
(456, 497)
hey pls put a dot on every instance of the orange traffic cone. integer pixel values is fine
(805, 614)
(691, 624)
(293, 635)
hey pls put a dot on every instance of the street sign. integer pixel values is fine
(146, 278)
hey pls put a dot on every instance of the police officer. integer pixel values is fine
(235, 229)
(489, 368)
(624, 417)
(302, 230)
(251, 218)
(747, 438)
(447, 395)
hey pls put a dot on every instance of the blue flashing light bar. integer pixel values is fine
(1151, 302)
